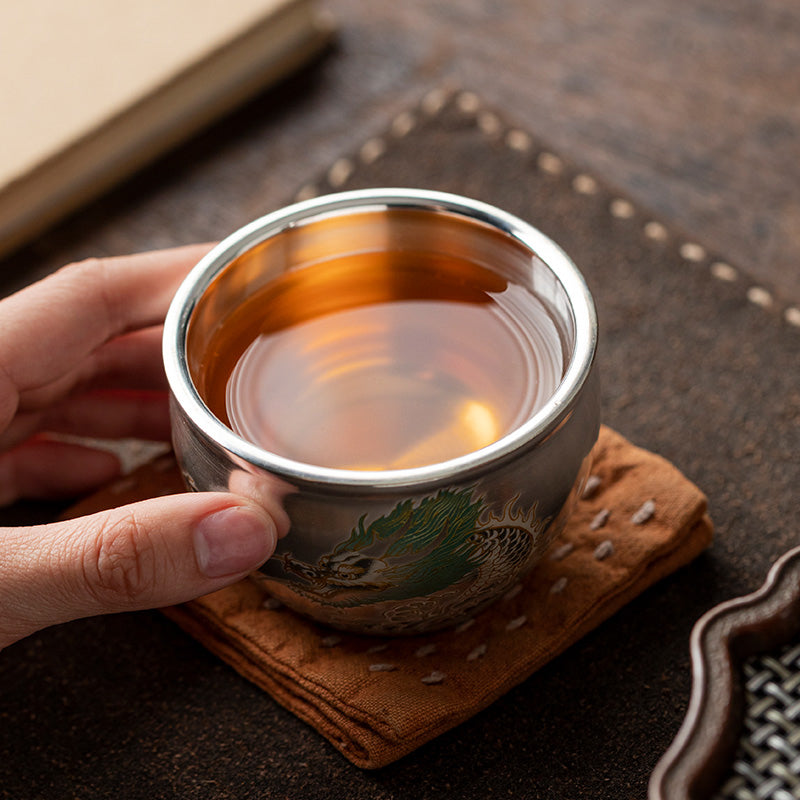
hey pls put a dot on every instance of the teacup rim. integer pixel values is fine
(543, 422)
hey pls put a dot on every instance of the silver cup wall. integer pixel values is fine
(396, 551)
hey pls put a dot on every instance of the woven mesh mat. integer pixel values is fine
(767, 764)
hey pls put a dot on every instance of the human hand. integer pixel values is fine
(80, 353)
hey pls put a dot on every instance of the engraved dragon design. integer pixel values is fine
(447, 554)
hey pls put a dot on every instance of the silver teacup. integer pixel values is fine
(394, 551)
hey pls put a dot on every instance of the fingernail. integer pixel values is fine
(232, 541)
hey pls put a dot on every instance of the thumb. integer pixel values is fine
(148, 554)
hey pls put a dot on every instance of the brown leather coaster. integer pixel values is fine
(376, 700)
(692, 369)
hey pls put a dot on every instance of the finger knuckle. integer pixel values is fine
(95, 273)
(80, 270)
(119, 565)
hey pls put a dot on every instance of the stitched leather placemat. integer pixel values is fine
(693, 368)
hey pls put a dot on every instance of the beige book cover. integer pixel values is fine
(93, 89)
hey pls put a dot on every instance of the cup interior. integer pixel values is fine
(432, 227)
(383, 230)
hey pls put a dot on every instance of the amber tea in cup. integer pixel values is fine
(410, 375)
(381, 361)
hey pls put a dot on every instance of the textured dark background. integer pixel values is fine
(690, 369)
(692, 108)
(127, 706)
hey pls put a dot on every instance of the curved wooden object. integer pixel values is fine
(697, 761)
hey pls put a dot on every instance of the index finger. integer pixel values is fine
(49, 327)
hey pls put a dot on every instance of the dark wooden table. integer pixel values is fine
(692, 109)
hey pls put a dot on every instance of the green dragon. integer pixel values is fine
(446, 544)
